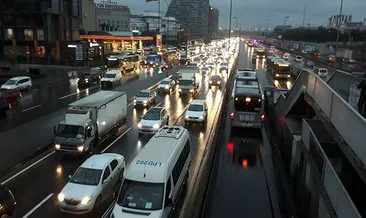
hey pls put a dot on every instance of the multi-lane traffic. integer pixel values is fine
(47, 174)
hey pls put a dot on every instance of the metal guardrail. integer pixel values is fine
(338, 195)
(338, 111)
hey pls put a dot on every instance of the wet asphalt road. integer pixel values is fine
(37, 187)
(244, 174)
(25, 139)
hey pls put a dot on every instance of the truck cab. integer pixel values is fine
(188, 81)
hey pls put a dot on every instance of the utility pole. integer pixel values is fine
(338, 28)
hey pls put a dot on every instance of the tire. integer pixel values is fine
(97, 204)
(18, 99)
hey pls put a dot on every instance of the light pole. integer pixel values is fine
(231, 11)
(338, 28)
(284, 29)
(236, 25)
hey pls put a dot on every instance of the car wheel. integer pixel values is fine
(98, 203)
(18, 99)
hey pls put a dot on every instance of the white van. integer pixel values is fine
(156, 176)
(111, 78)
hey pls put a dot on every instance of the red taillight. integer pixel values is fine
(230, 146)
(263, 118)
(232, 115)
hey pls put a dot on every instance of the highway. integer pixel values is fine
(37, 185)
(25, 139)
(244, 180)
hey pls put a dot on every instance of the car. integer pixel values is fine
(205, 70)
(157, 177)
(21, 83)
(111, 78)
(349, 60)
(322, 72)
(98, 178)
(286, 56)
(331, 58)
(310, 64)
(166, 85)
(215, 80)
(196, 112)
(11, 95)
(7, 202)
(224, 67)
(153, 120)
(166, 66)
(89, 78)
(145, 98)
(298, 58)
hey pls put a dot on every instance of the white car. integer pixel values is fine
(111, 78)
(298, 58)
(322, 72)
(20, 83)
(145, 98)
(94, 181)
(196, 112)
(166, 85)
(205, 70)
(151, 122)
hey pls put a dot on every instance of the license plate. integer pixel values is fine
(247, 124)
(247, 117)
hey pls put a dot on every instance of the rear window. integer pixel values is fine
(322, 71)
(247, 104)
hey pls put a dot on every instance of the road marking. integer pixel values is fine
(124, 133)
(31, 108)
(109, 209)
(38, 205)
(27, 168)
(130, 104)
(159, 104)
(75, 93)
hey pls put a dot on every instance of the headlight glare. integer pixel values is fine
(86, 200)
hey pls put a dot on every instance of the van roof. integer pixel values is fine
(97, 99)
(150, 164)
(113, 72)
(198, 101)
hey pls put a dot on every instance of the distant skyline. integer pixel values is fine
(263, 13)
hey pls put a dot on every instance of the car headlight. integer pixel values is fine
(134, 101)
(156, 126)
(166, 87)
(86, 200)
(139, 125)
(277, 74)
(81, 148)
(61, 197)
(187, 116)
(145, 101)
(191, 90)
(210, 82)
(86, 80)
(201, 117)
(57, 146)
(179, 90)
(218, 82)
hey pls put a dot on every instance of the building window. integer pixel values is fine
(40, 34)
(9, 34)
(28, 34)
(41, 51)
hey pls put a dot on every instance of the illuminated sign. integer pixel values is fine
(111, 5)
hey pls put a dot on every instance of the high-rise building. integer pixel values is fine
(38, 30)
(112, 16)
(213, 22)
(89, 15)
(193, 16)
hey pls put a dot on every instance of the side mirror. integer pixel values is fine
(89, 132)
(168, 202)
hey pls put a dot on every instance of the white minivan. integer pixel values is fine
(20, 82)
(156, 176)
(111, 78)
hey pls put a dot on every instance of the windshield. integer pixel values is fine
(322, 71)
(141, 195)
(152, 115)
(113, 63)
(109, 75)
(70, 131)
(165, 82)
(284, 69)
(143, 94)
(10, 82)
(151, 58)
(195, 107)
(249, 104)
(86, 176)
(185, 82)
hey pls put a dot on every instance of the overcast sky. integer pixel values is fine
(260, 13)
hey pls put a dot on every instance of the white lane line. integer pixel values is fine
(38, 205)
(130, 104)
(31, 108)
(27, 168)
(158, 104)
(109, 209)
(66, 96)
(124, 133)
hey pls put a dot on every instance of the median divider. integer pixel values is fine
(197, 191)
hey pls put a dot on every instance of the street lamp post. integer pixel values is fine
(284, 29)
(338, 28)
(236, 26)
(231, 11)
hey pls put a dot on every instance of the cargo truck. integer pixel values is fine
(188, 80)
(90, 119)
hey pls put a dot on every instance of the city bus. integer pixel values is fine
(124, 63)
(279, 68)
(170, 55)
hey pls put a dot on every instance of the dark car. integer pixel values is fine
(89, 78)
(4, 106)
(166, 67)
(215, 80)
(7, 202)
(10, 95)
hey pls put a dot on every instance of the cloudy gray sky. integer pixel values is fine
(260, 13)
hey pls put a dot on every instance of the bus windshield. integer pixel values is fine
(113, 63)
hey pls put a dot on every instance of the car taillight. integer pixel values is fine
(232, 115)
(230, 146)
(263, 118)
